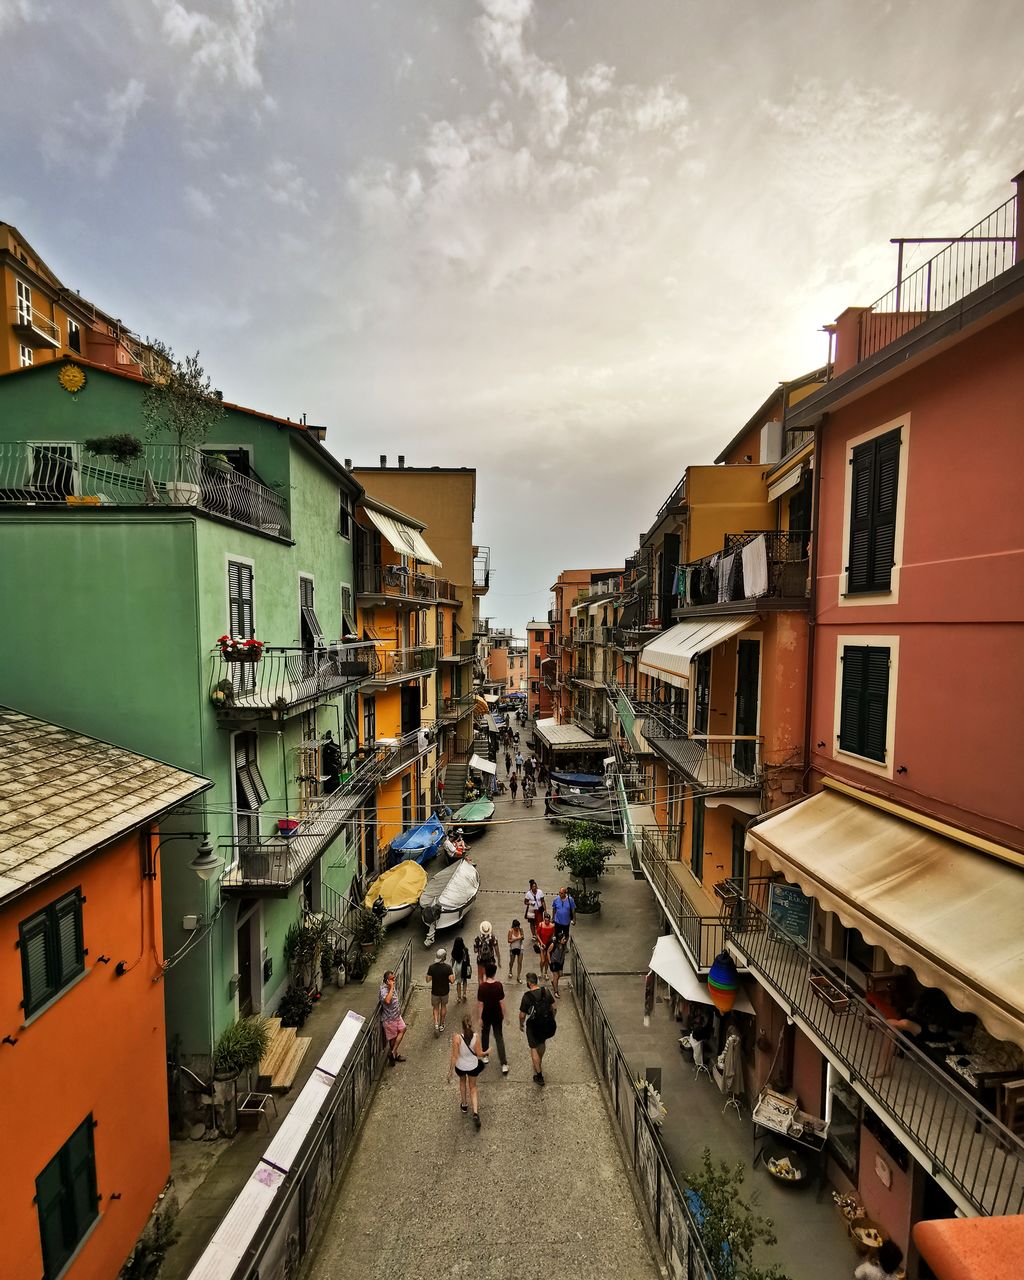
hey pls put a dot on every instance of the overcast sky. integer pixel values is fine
(572, 243)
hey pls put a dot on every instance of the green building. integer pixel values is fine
(119, 578)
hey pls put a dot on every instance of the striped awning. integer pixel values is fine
(668, 656)
(406, 539)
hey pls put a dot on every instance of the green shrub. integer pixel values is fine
(241, 1046)
(123, 448)
(584, 853)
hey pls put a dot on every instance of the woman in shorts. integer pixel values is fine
(467, 1063)
(515, 951)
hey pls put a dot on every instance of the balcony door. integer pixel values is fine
(23, 303)
(410, 707)
(310, 632)
(241, 618)
(748, 669)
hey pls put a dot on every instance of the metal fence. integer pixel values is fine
(702, 936)
(286, 677)
(286, 1234)
(677, 1234)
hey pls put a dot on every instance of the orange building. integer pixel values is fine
(83, 1056)
(540, 653)
(44, 320)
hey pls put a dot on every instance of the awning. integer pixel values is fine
(490, 698)
(783, 485)
(628, 615)
(951, 914)
(405, 538)
(485, 766)
(669, 655)
(568, 737)
(669, 962)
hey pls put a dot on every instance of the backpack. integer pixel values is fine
(543, 1016)
(484, 947)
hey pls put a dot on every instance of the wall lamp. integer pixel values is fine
(205, 864)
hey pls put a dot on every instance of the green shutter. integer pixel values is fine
(50, 1207)
(883, 516)
(697, 838)
(240, 611)
(80, 1175)
(36, 969)
(858, 569)
(854, 664)
(67, 935)
(875, 703)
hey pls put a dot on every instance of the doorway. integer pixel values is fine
(247, 936)
(748, 664)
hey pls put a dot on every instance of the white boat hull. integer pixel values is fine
(395, 915)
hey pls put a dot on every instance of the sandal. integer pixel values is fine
(463, 1108)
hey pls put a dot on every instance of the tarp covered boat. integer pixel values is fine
(400, 889)
(448, 896)
(584, 806)
(585, 781)
(419, 844)
(473, 818)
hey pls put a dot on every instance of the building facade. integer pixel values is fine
(540, 654)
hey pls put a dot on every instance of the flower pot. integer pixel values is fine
(241, 655)
(828, 991)
(183, 493)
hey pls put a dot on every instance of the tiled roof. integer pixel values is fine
(63, 793)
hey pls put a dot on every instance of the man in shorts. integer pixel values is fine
(391, 1020)
(563, 911)
(537, 1019)
(440, 975)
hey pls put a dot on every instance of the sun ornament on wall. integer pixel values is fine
(71, 378)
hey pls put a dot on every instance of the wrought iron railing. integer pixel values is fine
(42, 473)
(401, 664)
(456, 706)
(396, 582)
(482, 570)
(631, 638)
(403, 751)
(23, 317)
(444, 589)
(702, 935)
(287, 678)
(985, 251)
(722, 578)
(959, 1138)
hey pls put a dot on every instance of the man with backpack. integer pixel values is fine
(537, 1019)
(485, 944)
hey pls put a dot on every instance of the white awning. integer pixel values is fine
(951, 914)
(568, 737)
(485, 766)
(669, 962)
(405, 538)
(668, 656)
(784, 483)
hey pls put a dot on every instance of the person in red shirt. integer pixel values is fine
(545, 932)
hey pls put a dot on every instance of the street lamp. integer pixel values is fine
(205, 864)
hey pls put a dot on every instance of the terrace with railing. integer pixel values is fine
(977, 1159)
(36, 473)
(394, 583)
(761, 568)
(287, 680)
(694, 920)
(403, 664)
(455, 706)
(481, 571)
(456, 650)
(33, 327)
(966, 263)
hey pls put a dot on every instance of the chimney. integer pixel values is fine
(348, 464)
(383, 460)
(401, 461)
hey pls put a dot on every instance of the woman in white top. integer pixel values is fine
(467, 1064)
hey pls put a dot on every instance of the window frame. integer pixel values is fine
(74, 328)
(882, 768)
(76, 1220)
(59, 976)
(26, 356)
(875, 595)
(345, 516)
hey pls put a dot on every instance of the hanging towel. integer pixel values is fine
(724, 574)
(732, 1066)
(755, 568)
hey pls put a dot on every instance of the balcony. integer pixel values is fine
(454, 707)
(378, 584)
(396, 665)
(445, 590)
(978, 1161)
(719, 762)
(695, 923)
(631, 639)
(33, 328)
(481, 571)
(40, 474)
(285, 681)
(402, 751)
(594, 725)
(457, 651)
(774, 574)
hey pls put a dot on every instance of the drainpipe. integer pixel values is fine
(812, 604)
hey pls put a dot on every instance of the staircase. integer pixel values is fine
(455, 785)
(280, 1064)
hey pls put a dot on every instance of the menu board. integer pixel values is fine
(790, 908)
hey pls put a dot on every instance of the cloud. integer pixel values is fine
(199, 203)
(88, 139)
(223, 52)
(285, 185)
(14, 11)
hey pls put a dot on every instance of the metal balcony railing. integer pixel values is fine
(985, 251)
(34, 327)
(403, 664)
(456, 706)
(286, 679)
(456, 650)
(395, 582)
(717, 762)
(482, 570)
(43, 473)
(403, 751)
(702, 935)
(444, 589)
(720, 578)
(953, 1134)
(629, 639)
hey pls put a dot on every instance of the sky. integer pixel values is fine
(572, 243)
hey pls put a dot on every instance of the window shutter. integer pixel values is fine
(306, 593)
(854, 663)
(240, 610)
(883, 541)
(49, 1206)
(876, 703)
(858, 569)
(348, 627)
(69, 948)
(35, 971)
(80, 1172)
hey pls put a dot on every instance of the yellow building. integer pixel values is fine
(44, 320)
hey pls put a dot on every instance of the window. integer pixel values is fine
(344, 517)
(424, 691)
(697, 838)
(874, 486)
(74, 336)
(702, 693)
(250, 789)
(241, 622)
(348, 615)
(309, 625)
(535, 686)
(66, 1199)
(369, 721)
(864, 701)
(25, 356)
(52, 950)
(23, 303)
(406, 801)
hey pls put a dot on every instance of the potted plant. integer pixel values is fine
(295, 1006)
(584, 856)
(240, 1047)
(182, 402)
(235, 649)
(340, 962)
(123, 448)
(368, 931)
(217, 462)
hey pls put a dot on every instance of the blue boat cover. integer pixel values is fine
(419, 843)
(585, 781)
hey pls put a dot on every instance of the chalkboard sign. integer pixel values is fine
(790, 908)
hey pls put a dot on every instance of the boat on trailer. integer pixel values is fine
(448, 896)
(399, 891)
(472, 818)
(418, 844)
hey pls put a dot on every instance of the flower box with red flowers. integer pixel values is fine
(287, 826)
(235, 649)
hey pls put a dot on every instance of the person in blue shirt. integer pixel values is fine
(563, 912)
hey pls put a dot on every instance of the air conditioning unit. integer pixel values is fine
(771, 441)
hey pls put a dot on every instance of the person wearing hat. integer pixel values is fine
(485, 945)
(440, 975)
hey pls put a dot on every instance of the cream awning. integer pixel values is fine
(669, 655)
(484, 766)
(949, 913)
(405, 538)
(669, 962)
(783, 485)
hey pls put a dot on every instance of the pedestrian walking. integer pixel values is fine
(519, 759)
(563, 911)
(490, 1010)
(537, 1019)
(515, 950)
(534, 901)
(463, 969)
(556, 959)
(391, 1020)
(542, 774)
(508, 763)
(545, 934)
(531, 768)
(513, 785)
(441, 976)
(485, 945)
(467, 1062)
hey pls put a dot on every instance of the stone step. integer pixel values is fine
(277, 1050)
(289, 1067)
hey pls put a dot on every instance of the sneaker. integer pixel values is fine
(397, 1058)
(540, 1078)
(476, 1119)
(485, 1058)
(504, 1069)
(442, 1027)
(464, 1109)
(536, 1075)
